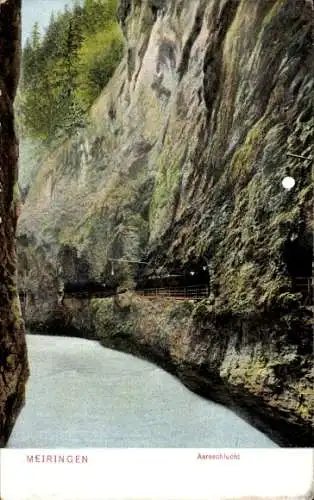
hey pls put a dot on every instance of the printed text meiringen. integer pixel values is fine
(57, 459)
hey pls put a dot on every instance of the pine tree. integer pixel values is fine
(64, 70)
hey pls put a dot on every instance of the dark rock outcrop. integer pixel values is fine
(13, 355)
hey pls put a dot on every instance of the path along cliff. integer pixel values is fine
(181, 164)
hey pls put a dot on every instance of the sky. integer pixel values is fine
(40, 11)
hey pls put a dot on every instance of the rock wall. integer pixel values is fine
(182, 162)
(248, 363)
(13, 356)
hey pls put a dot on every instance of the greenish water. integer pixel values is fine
(83, 395)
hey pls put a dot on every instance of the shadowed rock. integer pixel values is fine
(13, 355)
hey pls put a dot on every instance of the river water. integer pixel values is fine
(82, 395)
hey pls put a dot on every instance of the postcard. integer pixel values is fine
(156, 249)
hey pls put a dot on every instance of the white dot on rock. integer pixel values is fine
(288, 183)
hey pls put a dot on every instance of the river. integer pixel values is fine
(82, 395)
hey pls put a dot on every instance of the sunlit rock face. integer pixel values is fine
(13, 356)
(183, 161)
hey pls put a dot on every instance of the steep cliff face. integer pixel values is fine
(13, 357)
(182, 163)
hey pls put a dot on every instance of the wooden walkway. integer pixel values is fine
(177, 293)
(305, 285)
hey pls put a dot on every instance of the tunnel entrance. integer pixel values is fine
(87, 288)
(178, 281)
(298, 257)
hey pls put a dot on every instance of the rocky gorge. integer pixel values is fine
(180, 165)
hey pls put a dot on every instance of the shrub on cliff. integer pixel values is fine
(98, 58)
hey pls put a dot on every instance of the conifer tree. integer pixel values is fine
(64, 70)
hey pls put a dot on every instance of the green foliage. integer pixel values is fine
(97, 61)
(181, 311)
(113, 320)
(244, 158)
(64, 70)
(202, 312)
(97, 14)
(167, 183)
(16, 311)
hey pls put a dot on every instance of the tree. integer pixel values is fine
(65, 70)
(99, 13)
(98, 58)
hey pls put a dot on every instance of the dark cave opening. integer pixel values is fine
(192, 274)
(87, 288)
(298, 258)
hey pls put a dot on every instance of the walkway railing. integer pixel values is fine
(178, 293)
(305, 285)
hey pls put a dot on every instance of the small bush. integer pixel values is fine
(202, 311)
(181, 311)
(99, 56)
